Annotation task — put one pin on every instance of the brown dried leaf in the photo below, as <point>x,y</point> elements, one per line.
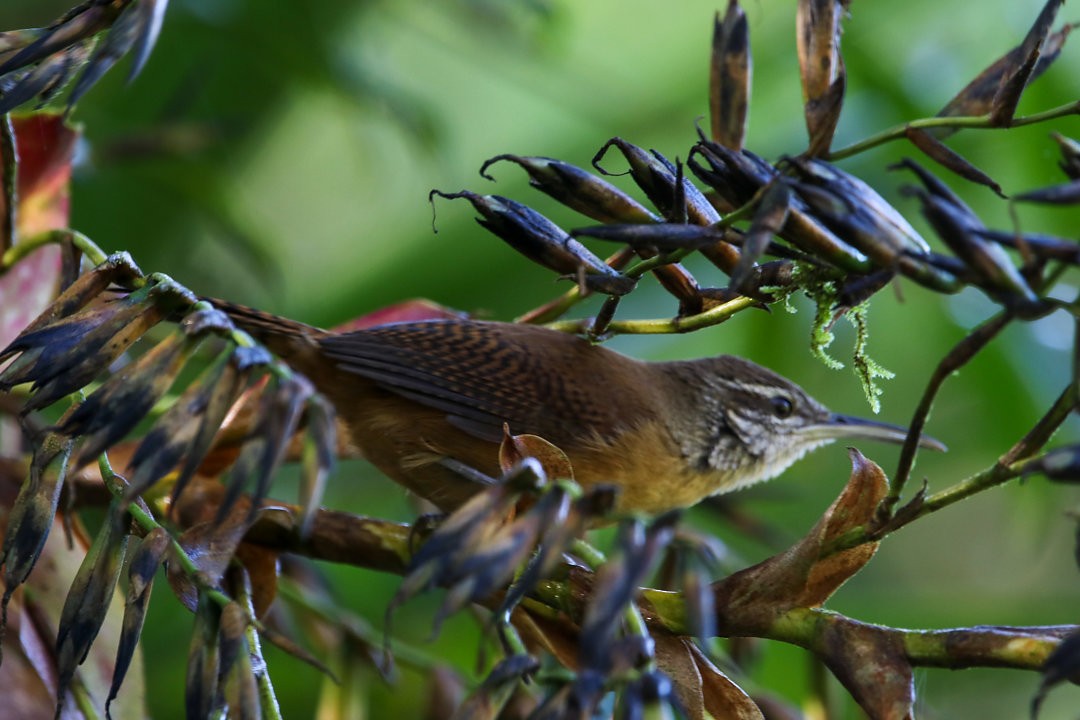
<point>730,71</point>
<point>699,685</point>
<point>801,576</point>
<point>855,507</point>
<point>516,448</point>
<point>872,665</point>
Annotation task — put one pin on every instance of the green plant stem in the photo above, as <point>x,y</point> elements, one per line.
<point>976,122</point>
<point>592,557</point>
<point>712,316</point>
<point>957,357</point>
<point>83,699</point>
<point>23,248</point>
<point>145,520</point>
<point>1012,464</point>
<point>268,702</point>
<point>1024,648</point>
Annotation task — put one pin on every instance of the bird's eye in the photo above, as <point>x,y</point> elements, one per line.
<point>782,406</point>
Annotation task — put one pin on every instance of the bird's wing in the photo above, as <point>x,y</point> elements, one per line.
<point>485,374</point>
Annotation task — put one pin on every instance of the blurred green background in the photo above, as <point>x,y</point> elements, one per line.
<point>280,154</point>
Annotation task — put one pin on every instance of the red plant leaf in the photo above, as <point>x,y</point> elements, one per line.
<point>45,146</point>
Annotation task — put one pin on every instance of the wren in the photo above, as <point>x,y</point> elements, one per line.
<point>422,399</point>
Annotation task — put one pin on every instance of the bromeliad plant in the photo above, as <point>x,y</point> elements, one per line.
<point>582,634</point>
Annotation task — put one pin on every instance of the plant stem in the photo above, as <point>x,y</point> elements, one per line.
<point>959,356</point>
<point>712,316</point>
<point>17,252</point>
<point>977,122</point>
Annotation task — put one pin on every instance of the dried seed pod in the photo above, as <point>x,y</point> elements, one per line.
<point>738,177</point>
<point>946,157</point>
<point>87,602</point>
<point>1059,465</point>
<point>115,408</point>
<point>65,356</point>
<point>855,212</point>
<point>318,458</point>
<point>730,72</point>
<point>202,694</point>
<point>769,220</point>
<point>595,197</point>
<point>579,190</point>
<point>1043,246</point>
<point>146,559</point>
<point>542,241</point>
<point>118,269</point>
<point>656,176</point>
<point>137,27</point>
<point>63,48</point>
<point>981,95</point>
<point>186,430</point>
<point>1070,155</point>
<point>821,68</point>
<point>664,237</point>
<point>46,79</point>
<point>32,515</point>
<point>1064,194</point>
<point>677,199</point>
<point>990,263</point>
<point>617,584</point>
<point>1012,87</point>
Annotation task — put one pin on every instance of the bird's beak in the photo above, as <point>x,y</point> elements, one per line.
<point>847,426</point>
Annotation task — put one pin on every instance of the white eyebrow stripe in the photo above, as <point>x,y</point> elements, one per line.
<point>756,388</point>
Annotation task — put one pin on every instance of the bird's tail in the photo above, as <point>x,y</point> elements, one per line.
<point>284,337</point>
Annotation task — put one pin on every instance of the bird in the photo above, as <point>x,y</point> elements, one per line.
<point>425,400</point>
